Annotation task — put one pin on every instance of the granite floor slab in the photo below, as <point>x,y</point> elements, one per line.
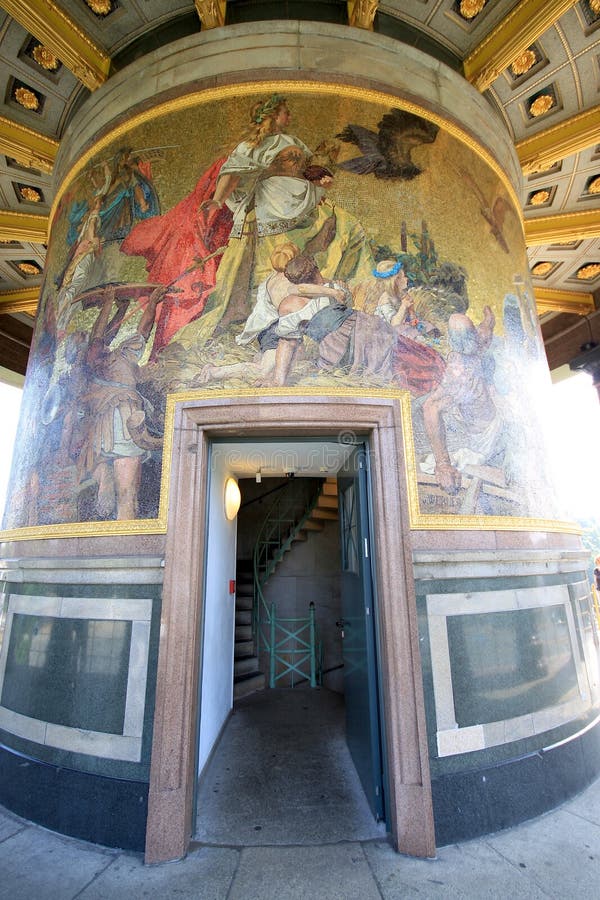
<point>556,856</point>
<point>35,863</point>
<point>206,873</point>
<point>282,774</point>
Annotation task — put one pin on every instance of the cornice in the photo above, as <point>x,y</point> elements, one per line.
<point>63,37</point>
<point>28,147</point>
<point>549,300</point>
<point>20,300</point>
<point>572,226</point>
<point>514,34</point>
<point>16,226</point>
<point>541,150</point>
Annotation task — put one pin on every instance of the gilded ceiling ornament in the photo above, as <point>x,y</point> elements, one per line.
<point>586,273</point>
<point>100,7</point>
<point>594,185</point>
<point>29,268</point>
<point>45,58</point>
<point>471,8</point>
<point>523,62</point>
<point>361,13</point>
<point>541,105</point>
<point>26,98</point>
<point>30,193</point>
<point>542,268</point>
<point>595,6</point>
<point>211,13</point>
<point>539,197</point>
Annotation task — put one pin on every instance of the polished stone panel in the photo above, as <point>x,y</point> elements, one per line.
<point>70,672</point>
<point>107,811</point>
<point>505,661</point>
<point>508,664</point>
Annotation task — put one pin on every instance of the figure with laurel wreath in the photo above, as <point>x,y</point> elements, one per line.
<point>216,244</point>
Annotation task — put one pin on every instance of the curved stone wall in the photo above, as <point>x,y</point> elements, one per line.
<point>252,213</point>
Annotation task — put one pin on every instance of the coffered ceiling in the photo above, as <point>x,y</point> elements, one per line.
<point>537,62</point>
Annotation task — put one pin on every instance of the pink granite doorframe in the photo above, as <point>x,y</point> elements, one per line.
<point>174,763</point>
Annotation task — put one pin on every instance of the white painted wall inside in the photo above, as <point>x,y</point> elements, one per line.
<point>219,615</point>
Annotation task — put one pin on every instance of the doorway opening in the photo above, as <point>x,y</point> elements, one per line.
<point>189,595</point>
<point>298,757</point>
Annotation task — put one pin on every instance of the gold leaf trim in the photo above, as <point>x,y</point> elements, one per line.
<point>418,521</point>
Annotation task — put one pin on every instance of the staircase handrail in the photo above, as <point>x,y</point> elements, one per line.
<point>275,536</point>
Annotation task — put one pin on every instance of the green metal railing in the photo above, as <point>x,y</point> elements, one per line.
<point>291,643</point>
<point>292,648</point>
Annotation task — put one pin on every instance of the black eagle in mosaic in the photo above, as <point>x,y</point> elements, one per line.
<point>387,152</point>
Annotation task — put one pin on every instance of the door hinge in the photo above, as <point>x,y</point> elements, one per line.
<point>368,610</point>
<point>377,791</point>
<point>366,548</point>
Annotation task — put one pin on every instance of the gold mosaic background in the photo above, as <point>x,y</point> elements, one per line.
<point>400,190</point>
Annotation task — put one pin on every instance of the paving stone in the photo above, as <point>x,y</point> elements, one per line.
<point>560,851</point>
<point>334,872</point>
<point>587,804</point>
<point>36,863</point>
<point>9,825</point>
<point>469,871</point>
<point>205,874</point>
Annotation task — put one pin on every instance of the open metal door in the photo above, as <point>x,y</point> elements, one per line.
<point>358,630</point>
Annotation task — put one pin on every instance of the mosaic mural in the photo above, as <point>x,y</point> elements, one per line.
<point>315,240</point>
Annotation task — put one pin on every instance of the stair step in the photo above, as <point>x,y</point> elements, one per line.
<point>243,632</point>
<point>323,513</point>
<point>329,490</point>
<point>243,648</point>
<point>254,681</point>
<point>243,617</point>
<point>243,602</point>
<point>300,535</point>
<point>245,664</point>
<point>313,525</point>
<point>327,502</point>
<point>244,587</point>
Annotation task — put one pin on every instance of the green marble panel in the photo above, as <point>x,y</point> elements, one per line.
<point>510,663</point>
<point>70,672</point>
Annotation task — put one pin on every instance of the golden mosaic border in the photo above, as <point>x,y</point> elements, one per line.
<point>417,520</point>
<point>208,95</point>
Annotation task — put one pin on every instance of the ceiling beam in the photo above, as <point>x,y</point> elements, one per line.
<point>511,37</point>
<point>542,150</point>
<point>563,227</point>
<point>361,13</point>
<point>211,13</point>
<point>21,300</point>
<point>548,300</point>
<point>16,226</point>
<point>15,341</point>
<point>28,147</point>
<point>59,33</point>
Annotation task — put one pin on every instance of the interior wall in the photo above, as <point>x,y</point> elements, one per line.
<point>257,499</point>
<point>219,615</point>
<point>310,571</point>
